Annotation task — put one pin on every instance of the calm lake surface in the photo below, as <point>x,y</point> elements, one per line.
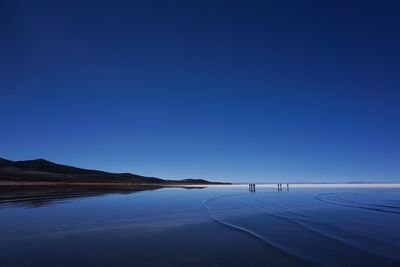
<point>213,226</point>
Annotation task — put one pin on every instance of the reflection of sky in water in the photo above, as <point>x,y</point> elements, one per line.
<point>143,211</point>
<point>347,225</point>
<point>309,226</point>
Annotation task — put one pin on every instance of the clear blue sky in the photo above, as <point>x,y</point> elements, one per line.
<point>228,90</point>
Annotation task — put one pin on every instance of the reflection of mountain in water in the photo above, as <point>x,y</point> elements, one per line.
<point>34,196</point>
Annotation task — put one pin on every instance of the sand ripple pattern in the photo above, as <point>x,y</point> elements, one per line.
<point>345,199</point>
<point>310,237</point>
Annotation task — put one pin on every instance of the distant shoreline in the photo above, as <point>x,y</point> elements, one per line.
<point>13,183</point>
<point>326,185</point>
<point>260,185</point>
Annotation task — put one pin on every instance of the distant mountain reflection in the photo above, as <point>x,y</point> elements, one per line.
<point>34,196</point>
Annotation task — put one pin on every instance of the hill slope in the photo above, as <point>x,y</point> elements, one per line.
<point>41,170</point>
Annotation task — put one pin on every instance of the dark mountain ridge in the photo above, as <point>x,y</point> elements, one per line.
<point>41,170</point>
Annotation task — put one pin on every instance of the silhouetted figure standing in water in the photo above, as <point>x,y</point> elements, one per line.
<point>252,187</point>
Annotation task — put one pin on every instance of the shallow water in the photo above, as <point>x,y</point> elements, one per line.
<point>213,226</point>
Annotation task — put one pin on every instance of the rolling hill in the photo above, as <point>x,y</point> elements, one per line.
<point>41,170</point>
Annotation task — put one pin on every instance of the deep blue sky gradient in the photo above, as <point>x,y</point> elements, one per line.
<point>258,91</point>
